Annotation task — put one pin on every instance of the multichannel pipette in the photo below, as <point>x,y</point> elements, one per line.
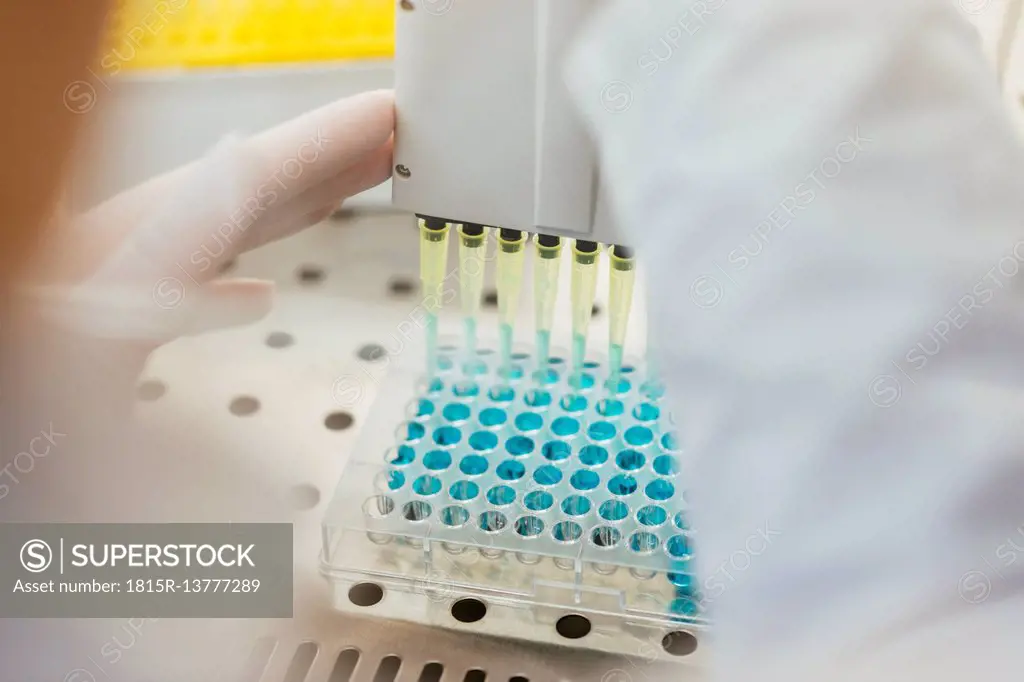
<point>583,287</point>
<point>509,282</point>
<point>433,261</point>
<point>472,248</point>
<point>545,291</point>
<point>621,277</point>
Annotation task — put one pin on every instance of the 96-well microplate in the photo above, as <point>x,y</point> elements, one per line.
<point>524,503</point>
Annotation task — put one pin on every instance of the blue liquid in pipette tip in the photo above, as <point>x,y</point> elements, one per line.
<point>431,343</point>
<point>505,339</point>
<point>470,327</point>
<point>543,347</point>
<point>579,350</point>
<point>614,361</point>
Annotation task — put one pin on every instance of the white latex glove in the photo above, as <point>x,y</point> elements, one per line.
<point>828,199</point>
<point>140,266</point>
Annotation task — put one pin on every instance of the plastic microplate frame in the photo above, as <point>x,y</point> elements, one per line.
<point>539,494</point>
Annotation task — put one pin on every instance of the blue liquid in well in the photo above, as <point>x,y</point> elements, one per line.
<point>435,386</point>
<point>444,363</point>
<point>652,390</point>
<point>517,446</point>
<point>618,386</point>
<point>396,479</point>
<point>538,500</point>
<point>529,526</point>
<point>643,542</point>
<point>670,442</point>
<point>601,431</point>
<point>424,408</point>
<point>610,407</point>
<point>547,475</point>
<point>683,582</point>
<point>652,515</point>
<point>564,427</point>
<point>666,465</point>
<point>679,521</point>
<point>474,368</point>
<point>556,361</point>
<point>590,364</point>
<point>529,421</point>
<point>585,479</point>
<point>456,412</point>
<point>501,394</point>
<point>427,485</point>
<point>556,451</point>
<point>646,412</point>
<point>546,377</point>
<point>678,546</point>
<point>437,460</point>
<point>573,403</point>
<point>629,460</point>
<point>500,495</point>
<point>684,606</point>
<point>511,470</point>
<point>576,505</point>
<point>593,455</point>
<point>446,436</point>
<point>567,531</point>
<point>483,441</point>
<point>638,436</point>
<point>466,389</point>
<point>464,491</point>
<point>473,465</point>
<point>403,455</point>
<point>519,357</point>
<point>543,346</point>
<point>511,372</point>
<point>414,432</point>
<point>613,510</point>
<point>537,398</point>
<point>454,516</point>
<point>492,416</point>
<point>660,490</point>
<point>622,485</point>
<point>582,381</point>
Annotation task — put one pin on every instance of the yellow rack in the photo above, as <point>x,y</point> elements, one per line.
<point>161,34</point>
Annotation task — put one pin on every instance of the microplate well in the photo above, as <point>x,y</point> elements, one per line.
<point>525,503</point>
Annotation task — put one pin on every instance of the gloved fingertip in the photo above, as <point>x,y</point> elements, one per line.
<point>231,303</point>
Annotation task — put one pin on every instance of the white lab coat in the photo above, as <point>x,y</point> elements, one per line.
<point>829,199</point>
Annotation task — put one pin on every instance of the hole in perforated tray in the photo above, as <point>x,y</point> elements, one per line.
<point>387,670</point>
<point>402,286</point>
<point>151,390</point>
<point>469,610</point>
<point>431,672</point>
<point>302,662</point>
<point>244,405</point>
<point>365,594</point>
<point>475,675</point>
<point>311,274</point>
<point>679,643</point>
<point>338,421</point>
<point>344,666</point>
<point>573,626</point>
<point>279,339</point>
<point>304,497</point>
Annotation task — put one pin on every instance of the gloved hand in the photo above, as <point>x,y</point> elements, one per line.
<point>141,266</point>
